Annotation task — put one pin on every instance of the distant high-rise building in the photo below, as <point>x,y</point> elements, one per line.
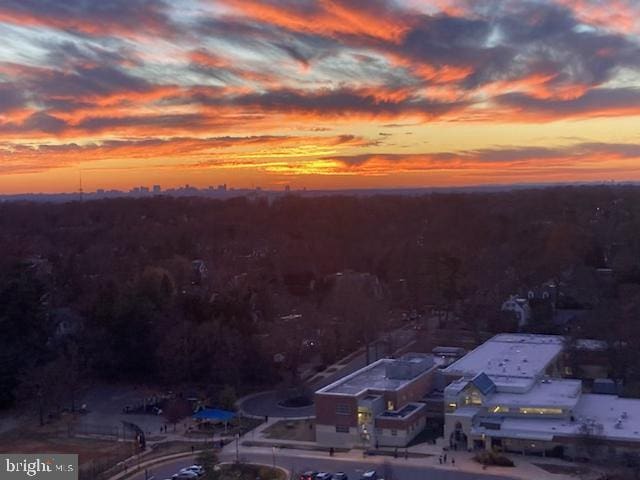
<point>157,189</point>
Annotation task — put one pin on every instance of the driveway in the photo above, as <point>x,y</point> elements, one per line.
<point>266,404</point>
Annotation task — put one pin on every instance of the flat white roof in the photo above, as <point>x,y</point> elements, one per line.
<point>600,411</point>
<point>553,393</point>
<point>374,377</point>
<point>510,359</point>
<point>605,410</point>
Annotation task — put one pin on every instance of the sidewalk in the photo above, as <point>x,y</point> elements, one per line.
<point>524,469</point>
<point>423,454</point>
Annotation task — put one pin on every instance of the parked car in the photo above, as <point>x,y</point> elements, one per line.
<point>197,469</point>
<point>323,476</point>
<point>340,476</point>
<point>369,475</point>
<point>185,475</point>
<point>308,475</point>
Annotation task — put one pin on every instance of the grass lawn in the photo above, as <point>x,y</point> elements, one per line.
<point>94,456</point>
<point>300,430</point>
<point>169,448</point>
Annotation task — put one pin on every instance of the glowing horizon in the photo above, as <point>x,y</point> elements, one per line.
<point>322,94</point>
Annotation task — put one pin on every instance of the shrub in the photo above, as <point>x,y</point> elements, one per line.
<point>491,458</point>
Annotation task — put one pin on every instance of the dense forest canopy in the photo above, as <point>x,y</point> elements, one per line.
<point>184,289</point>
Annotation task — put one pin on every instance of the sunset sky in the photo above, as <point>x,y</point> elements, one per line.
<point>317,93</point>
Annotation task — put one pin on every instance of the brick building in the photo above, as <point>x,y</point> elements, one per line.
<point>377,405</point>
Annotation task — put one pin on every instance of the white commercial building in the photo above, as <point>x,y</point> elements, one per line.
<point>507,394</point>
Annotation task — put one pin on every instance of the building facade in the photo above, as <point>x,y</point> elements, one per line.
<point>507,394</point>
<point>377,405</point>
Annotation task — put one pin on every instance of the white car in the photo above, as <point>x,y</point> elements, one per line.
<point>197,469</point>
<point>185,475</point>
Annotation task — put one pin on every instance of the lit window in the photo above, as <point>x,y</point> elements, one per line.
<point>390,405</point>
<point>475,398</point>
<point>500,409</point>
<point>540,411</point>
<point>364,415</point>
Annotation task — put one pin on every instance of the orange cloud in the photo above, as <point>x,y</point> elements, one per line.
<point>18,157</point>
<point>128,18</point>
<point>617,15</point>
<point>374,19</point>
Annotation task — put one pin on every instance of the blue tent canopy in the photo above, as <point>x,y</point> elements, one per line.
<point>214,414</point>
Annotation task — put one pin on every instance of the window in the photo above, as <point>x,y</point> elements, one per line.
<point>474,398</point>
<point>342,429</point>
<point>540,411</point>
<point>343,409</point>
<point>451,407</point>
<point>390,405</point>
<point>364,415</point>
<point>500,409</point>
<point>394,432</point>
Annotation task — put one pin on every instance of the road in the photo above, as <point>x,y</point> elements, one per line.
<point>353,467</point>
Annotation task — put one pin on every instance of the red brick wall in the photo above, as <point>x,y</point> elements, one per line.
<point>326,406</point>
<point>401,424</point>
<point>415,390</point>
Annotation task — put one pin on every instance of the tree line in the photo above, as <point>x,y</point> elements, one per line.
<point>108,289</point>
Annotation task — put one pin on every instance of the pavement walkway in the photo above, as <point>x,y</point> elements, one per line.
<point>426,454</point>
